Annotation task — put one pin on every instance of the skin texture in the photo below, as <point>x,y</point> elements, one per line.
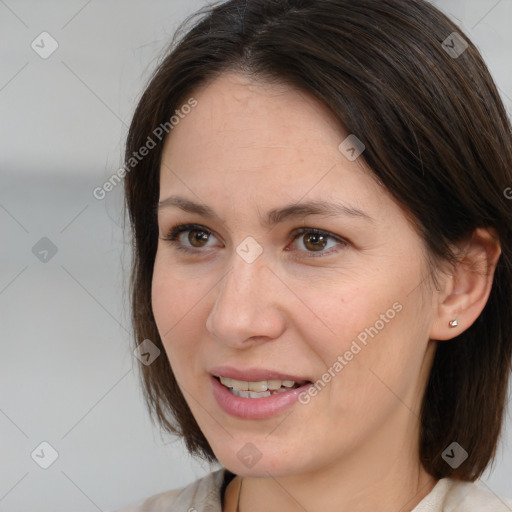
<point>249,147</point>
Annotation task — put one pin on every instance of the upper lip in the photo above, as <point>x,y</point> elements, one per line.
<point>253,374</point>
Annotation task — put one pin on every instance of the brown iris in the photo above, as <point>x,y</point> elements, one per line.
<point>314,238</point>
<point>199,236</point>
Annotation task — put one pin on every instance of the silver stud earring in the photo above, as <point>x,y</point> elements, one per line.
<point>453,323</point>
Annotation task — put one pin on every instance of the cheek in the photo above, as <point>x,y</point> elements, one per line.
<point>342,309</point>
<point>174,294</point>
<point>163,298</point>
<point>377,338</point>
<point>175,303</point>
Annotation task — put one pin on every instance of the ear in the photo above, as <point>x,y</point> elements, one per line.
<point>467,290</point>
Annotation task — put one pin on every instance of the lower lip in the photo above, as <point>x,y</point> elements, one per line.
<point>254,408</point>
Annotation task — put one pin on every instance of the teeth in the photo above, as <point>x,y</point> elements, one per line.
<point>235,384</point>
<point>273,384</point>
<point>257,387</point>
<point>249,394</point>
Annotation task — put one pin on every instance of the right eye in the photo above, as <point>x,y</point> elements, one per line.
<point>197,236</point>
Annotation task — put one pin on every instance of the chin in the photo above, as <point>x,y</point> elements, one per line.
<point>257,457</point>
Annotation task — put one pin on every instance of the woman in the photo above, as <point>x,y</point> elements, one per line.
<point>322,252</point>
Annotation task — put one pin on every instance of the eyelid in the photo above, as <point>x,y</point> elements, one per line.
<point>295,235</point>
<point>175,231</point>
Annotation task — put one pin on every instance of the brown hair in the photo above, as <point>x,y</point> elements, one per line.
<point>437,136</point>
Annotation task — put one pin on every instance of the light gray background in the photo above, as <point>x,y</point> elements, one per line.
<point>67,375</point>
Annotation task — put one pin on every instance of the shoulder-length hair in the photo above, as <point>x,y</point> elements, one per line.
<point>415,90</point>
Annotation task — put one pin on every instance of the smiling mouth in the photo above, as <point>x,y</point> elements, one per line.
<point>259,389</point>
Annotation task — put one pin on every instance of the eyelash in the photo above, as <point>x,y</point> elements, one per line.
<point>176,230</point>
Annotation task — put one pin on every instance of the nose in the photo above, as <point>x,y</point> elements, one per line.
<point>248,305</point>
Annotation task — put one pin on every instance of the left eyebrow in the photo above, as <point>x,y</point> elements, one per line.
<point>276,215</point>
<point>313,208</point>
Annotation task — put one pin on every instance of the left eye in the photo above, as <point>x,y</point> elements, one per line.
<point>313,240</point>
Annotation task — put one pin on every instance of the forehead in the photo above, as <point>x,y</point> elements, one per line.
<point>235,115</point>
<point>263,140</point>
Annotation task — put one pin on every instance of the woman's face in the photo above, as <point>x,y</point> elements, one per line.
<point>255,291</point>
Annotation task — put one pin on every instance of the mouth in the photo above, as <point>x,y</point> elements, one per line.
<point>255,393</point>
<point>259,389</point>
